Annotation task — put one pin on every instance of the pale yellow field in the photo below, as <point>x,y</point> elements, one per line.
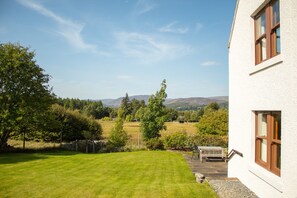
<point>133,129</point>
<point>32,144</point>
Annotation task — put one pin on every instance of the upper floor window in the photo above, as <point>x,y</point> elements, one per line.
<point>267,32</point>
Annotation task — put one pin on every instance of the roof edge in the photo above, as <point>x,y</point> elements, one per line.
<point>233,23</point>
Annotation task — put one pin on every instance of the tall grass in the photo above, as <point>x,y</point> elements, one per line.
<point>133,130</point>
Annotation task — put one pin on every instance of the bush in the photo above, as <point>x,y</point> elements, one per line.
<point>118,137</point>
<point>209,140</point>
<point>177,141</point>
<point>106,119</point>
<point>214,123</point>
<point>154,144</point>
<point>72,124</point>
<point>129,118</point>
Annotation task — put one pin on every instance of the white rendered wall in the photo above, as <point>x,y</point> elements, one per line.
<point>271,85</point>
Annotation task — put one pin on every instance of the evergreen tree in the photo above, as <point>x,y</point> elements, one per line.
<point>126,106</point>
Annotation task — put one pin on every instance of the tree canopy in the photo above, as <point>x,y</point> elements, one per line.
<point>214,123</point>
<point>25,94</point>
<point>154,115</point>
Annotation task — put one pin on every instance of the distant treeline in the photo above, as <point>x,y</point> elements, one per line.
<point>133,109</point>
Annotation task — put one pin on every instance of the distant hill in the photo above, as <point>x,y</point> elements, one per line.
<point>176,103</point>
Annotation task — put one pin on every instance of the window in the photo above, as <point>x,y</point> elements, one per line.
<point>267,32</point>
<point>268,140</point>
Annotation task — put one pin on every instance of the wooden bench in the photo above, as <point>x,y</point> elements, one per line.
<point>207,152</point>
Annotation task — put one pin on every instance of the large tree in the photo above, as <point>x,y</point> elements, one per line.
<point>154,115</point>
<point>25,94</point>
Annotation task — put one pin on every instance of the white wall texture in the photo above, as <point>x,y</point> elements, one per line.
<point>271,85</point>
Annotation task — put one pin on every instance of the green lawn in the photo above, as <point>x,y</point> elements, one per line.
<point>130,174</point>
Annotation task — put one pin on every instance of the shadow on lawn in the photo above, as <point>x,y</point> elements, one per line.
<point>20,155</point>
<point>12,158</point>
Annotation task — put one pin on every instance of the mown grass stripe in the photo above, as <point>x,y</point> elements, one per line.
<point>134,174</point>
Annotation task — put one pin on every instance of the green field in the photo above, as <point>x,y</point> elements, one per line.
<point>133,129</point>
<point>130,174</point>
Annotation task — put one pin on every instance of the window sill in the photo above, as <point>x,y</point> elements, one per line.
<point>266,64</point>
<point>268,177</point>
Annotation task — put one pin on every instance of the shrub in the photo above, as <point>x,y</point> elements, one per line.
<point>177,140</point>
<point>209,140</point>
<point>154,144</point>
<point>72,124</point>
<point>106,119</point>
<point>214,123</point>
<point>118,137</point>
<point>129,118</point>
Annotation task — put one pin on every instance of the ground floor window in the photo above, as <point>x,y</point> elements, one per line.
<point>268,140</point>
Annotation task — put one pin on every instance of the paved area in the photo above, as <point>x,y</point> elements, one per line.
<point>215,173</point>
<point>210,169</point>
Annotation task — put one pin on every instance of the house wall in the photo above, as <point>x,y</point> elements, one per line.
<point>271,85</point>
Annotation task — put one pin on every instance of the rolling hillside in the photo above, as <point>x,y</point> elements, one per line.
<point>176,103</point>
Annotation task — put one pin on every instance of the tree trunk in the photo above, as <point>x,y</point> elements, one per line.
<point>87,148</point>
<point>3,140</point>
<point>76,145</point>
<point>93,146</point>
<point>24,139</point>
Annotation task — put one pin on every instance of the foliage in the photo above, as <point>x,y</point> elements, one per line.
<point>129,118</point>
<point>91,108</point>
<point>106,119</point>
<point>25,95</point>
<point>118,137</point>
<point>95,110</point>
<point>154,144</point>
<point>171,114</point>
<point>209,140</point>
<point>136,105</point>
<point>126,106</point>
<point>214,123</point>
<point>177,140</point>
<point>154,116</point>
<point>73,125</point>
<point>211,107</point>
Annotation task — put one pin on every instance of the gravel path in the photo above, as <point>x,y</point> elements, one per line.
<point>231,189</point>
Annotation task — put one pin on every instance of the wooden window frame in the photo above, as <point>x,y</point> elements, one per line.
<point>272,143</point>
<point>270,34</point>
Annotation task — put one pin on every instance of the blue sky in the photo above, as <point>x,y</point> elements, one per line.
<point>99,49</point>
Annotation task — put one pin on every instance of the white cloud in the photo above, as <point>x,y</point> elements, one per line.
<point>209,63</point>
<point>68,29</point>
<point>171,27</point>
<point>147,49</point>
<point>143,6</point>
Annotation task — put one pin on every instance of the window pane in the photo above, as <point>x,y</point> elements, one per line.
<point>263,150</point>
<point>278,44</point>
<point>278,156</point>
<point>261,25</point>
<point>263,49</point>
<point>277,126</point>
<point>275,13</point>
<point>262,124</point>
